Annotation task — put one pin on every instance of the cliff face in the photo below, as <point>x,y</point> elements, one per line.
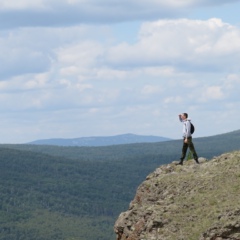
<point>186,202</point>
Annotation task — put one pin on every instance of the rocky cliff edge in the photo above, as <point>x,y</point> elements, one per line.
<point>189,202</point>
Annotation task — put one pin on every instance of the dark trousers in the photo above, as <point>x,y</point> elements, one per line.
<point>189,145</point>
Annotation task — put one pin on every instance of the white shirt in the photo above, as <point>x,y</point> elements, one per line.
<point>186,127</point>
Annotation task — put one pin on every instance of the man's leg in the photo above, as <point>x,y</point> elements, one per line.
<point>184,151</point>
<point>192,149</point>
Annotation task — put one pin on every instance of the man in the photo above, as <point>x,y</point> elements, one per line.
<point>187,138</point>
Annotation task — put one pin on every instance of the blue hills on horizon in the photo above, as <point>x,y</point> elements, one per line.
<point>101,140</point>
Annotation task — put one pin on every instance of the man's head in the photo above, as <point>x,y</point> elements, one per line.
<point>184,116</point>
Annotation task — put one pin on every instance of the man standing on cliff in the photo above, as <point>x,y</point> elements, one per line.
<point>187,138</point>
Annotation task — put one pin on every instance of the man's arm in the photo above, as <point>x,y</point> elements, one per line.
<point>188,129</point>
<point>179,116</point>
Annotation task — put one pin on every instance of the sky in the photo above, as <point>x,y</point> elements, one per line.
<point>82,68</point>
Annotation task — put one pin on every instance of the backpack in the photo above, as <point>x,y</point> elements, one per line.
<point>192,128</point>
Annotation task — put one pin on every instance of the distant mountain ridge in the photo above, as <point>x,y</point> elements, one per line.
<point>101,141</point>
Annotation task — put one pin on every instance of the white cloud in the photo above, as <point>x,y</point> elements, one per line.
<point>191,44</point>
<point>9,4</point>
<point>84,75</point>
<point>34,50</point>
<point>213,92</point>
<point>84,53</point>
<point>162,56</point>
<point>73,12</point>
<point>232,81</point>
<point>192,83</point>
<point>21,4</point>
<point>174,100</point>
<point>151,89</point>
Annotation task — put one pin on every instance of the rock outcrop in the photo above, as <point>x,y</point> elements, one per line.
<point>189,202</point>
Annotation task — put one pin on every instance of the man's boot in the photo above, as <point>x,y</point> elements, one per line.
<point>181,162</point>
<point>196,160</point>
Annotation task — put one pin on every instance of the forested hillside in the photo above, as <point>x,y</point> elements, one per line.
<point>50,192</point>
<point>71,199</point>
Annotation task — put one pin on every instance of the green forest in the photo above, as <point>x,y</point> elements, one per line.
<point>77,193</point>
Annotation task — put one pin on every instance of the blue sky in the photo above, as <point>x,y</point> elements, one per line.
<point>77,68</point>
